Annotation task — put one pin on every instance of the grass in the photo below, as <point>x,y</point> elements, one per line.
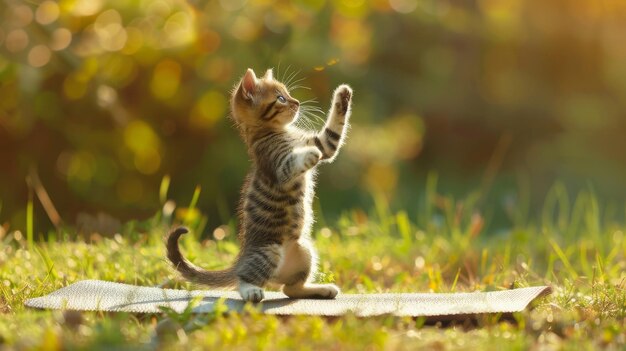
<point>574,246</point>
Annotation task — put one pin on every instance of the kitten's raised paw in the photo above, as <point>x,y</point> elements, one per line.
<point>343,96</point>
<point>311,158</point>
<point>251,293</point>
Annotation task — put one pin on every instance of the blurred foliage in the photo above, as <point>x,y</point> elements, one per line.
<point>103,98</point>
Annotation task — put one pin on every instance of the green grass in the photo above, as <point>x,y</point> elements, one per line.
<point>574,246</point>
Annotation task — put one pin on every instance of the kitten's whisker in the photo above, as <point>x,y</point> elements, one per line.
<point>297,80</point>
<point>292,83</point>
<point>311,120</point>
<point>317,118</point>
<point>313,109</point>
<point>308,101</point>
<point>309,115</point>
<point>278,70</point>
<point>291,77</point>
<point>314,116</point>
<point>298,87</point>
<point>282,79</point>
<point>286,78</point>
<point>310,104</point>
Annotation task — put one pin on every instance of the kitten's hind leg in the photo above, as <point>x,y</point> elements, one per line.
<point>255,268</point>
<point>299,267</point>
<point>303,290</point>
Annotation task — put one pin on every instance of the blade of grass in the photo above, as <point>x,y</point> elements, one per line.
<point>195,197</point>
<point>556,209</point>
<point>584,263</point>
<point>600,266</point>
<point>46,259</point>
<point>35,184</point>
<point>381,203</point>
<point>429,200</point>
<point>456,279</point>
<point>566,263</point>
<point>165,185</point>
<point>29,219</point>
<point>483,260</point>
<point>404,227</point>
<point>494,164</point>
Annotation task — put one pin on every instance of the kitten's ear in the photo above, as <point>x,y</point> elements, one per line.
<point>248,84</point>
<point>269,75</point>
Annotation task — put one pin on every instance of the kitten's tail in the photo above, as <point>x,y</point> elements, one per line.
<point>222,278</point>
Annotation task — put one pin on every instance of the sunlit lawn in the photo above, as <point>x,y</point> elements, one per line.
<point>441,247</point>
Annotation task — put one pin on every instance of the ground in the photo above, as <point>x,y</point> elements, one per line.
<point>580,253</point>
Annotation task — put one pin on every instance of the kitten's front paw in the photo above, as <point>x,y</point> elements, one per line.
<point>311,158</point>
<point>342,99</point>
<point>251,293</point>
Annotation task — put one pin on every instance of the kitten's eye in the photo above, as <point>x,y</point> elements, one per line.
<point>281,99</point>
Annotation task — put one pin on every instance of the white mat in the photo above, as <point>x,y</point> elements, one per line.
<point>96,295</point>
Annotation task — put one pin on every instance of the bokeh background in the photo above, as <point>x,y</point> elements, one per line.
<point>101,100</point>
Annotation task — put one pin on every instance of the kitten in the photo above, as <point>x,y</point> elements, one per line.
<point>275,207</point>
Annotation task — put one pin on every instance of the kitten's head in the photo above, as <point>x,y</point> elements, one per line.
<point>262,102</point>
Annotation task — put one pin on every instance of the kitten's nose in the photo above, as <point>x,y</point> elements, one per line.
<point>296,102</point>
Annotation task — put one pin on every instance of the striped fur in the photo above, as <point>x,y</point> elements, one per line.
<point>276,203</point>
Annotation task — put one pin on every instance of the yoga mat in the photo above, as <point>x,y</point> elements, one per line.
<point>96,295</point>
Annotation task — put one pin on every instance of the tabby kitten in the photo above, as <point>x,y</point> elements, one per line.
<point>275,207</point>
